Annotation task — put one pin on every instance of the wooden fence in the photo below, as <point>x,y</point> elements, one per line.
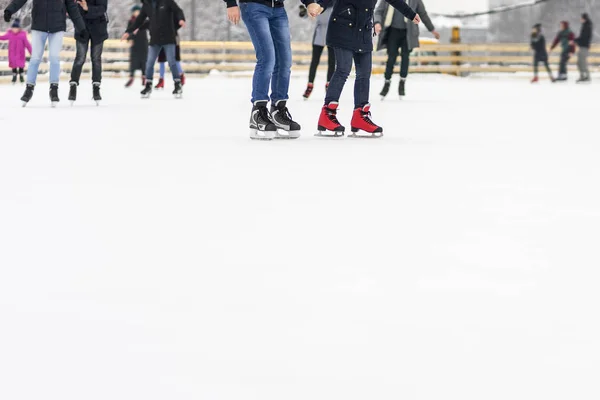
<point>202,57</point>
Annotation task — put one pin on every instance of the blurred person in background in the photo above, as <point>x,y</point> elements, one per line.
<point>48,24</point>
<point>96,23</point>
<point>317,50</point>
<point>162,59</point>
<point>17,44</point>
<point>396,33</point>
<point>566,39</point>
<point>540,54</point>
<point>583,42</point>
<point>138,53</point>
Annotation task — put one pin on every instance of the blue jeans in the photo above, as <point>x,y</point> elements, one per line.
<point>269,31</point>
<point>161,69</point>
<point>38,43</point>
<point>343,66</point>
<point>153,51</point>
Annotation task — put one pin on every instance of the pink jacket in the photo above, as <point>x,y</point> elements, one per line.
<point>17,43</point>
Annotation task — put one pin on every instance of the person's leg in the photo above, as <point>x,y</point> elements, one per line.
<point>343,66</point>
<point>153,51</point>
<point>580,64</point>
<point>256,18</point>
<point>80,54</point>
<point>331,63</point>
<point>586,70</point>
<point>161,69</point>
<point>363,63</point>
<point>564,59</point>
<point>282,71</point>
<point>547,65</point>
<point>314,62</point>
<point>170,53</point>
<point>535,67</point>
<point>405,55</point>
<point>393,44</point>
<point>179,67</point>
<point>38,42</point>
<point>55,42</point>
<point>97,61</point>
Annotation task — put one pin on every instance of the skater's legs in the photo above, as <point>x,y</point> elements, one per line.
<point>153,51</point>
<point>548,69</point>
<point>314,62</point>
<point>564,59</point>
<point>343,65</point>
<point>535,67</point>
<point>582,62</point>
<point>256,17</point>
<point>170,53</point>
<point>96,55</point>
<point>364,64</point>
<point>55,42</point>
<point>280,31</point>
<point>81,53</point>
<point>38,42</point>
<point>330,62</point>
<point>394,43</point>
<point>161,70</point>
<point>179,67</point>
<point>405,55</point>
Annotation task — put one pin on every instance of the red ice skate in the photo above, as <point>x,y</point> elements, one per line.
<point>328,121</point>
<point>361,121</point>
<point>160,84</point>
<point>535,79</point>
<point>143,81</point>
<point>129,82</point>
<point>182,79</point>
<point>308,91</point>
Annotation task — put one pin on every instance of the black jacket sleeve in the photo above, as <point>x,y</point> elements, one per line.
<point>231,3</point>
<point>585,36</point>
<point>15,5</point>
<point>404,8</point>
<point>139,21</point>
<point>96,11</point>
<point>422,11</point>
<point>75,15</point>
<point>177,12</point>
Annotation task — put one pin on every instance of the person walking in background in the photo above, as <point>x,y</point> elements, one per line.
<point>96,22</point>
<point>583,42</point>
<point>396,33</point>
<point>269,29</point>
<point>162,58</point>
<point>540,54</point>
<point>164,16</point>
<point>48,24</point>
<point>17,44</point>
<point>317,50</point>
<point>565,38</point>
<point>138,52</point>
<point>350,33</point>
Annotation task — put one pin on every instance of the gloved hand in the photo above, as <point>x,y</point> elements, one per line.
<point>82,36</point>
<point>7,15</point>
<point>303,12</point>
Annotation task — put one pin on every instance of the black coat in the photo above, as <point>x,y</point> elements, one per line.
<point>351,23</point>
<point>50,15</point>
<point>162,15</point>
<point>538,44</point>
<point>139,48</point>
<point>585,36</point>
<point>96,20</point>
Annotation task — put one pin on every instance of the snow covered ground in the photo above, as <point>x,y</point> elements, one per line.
<point>150,250</point>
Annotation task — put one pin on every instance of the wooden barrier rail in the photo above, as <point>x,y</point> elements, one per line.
<point>202,57</point>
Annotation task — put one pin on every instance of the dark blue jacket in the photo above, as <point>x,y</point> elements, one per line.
<point>96,20</point>
<point>351,23</point>
<point>50,15</point>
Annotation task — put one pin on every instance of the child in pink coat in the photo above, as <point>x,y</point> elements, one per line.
<point>17,43</point>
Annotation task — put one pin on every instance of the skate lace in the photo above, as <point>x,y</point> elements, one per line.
<point>285,115</point>
<point>332,114</point>
<point>367,118</point>
<point>264,115</point>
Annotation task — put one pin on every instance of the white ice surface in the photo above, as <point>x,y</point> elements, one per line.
<point>149,250</point>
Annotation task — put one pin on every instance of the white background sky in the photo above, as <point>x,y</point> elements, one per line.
<point>450,6</point>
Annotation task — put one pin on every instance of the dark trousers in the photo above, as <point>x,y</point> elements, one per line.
<point>564,60</point>
<point>316,59</point>
<point>153,51</point>
<point>17,71</point>
<point>96,56</point>
<point>397,40</point>
<point>137,61</point>
<point>535,66</point>
<point>343,66</point>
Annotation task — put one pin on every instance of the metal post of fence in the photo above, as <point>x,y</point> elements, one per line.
<point>193,20</point>
<point>455,39</point>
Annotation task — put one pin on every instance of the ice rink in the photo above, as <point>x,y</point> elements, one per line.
<point>149,250</point>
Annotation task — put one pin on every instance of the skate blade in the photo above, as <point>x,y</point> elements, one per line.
<point>355,135</point>
<point>333,134</point>
<point>97,103</point>
<point>178,96</point>
<point>72,102</point>
<point>23,104</point>
<point>254,136</point>
<point>53,104</point>
<point>287,136</point>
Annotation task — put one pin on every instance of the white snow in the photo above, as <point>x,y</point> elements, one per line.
<point>149,250</point>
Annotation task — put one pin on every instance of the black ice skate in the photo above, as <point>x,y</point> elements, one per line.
<point>54,94</point>
<point>21,78</point>
<point>14,78</point>
<point>28,94</point>
<point>385,90</point>
<point>402,88</point>
<point>178,91</point>
<point>96,93</point>
<point>72,92</point>
<point>281,117</point>
<point>147,90</point>
<point>261,126</point>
